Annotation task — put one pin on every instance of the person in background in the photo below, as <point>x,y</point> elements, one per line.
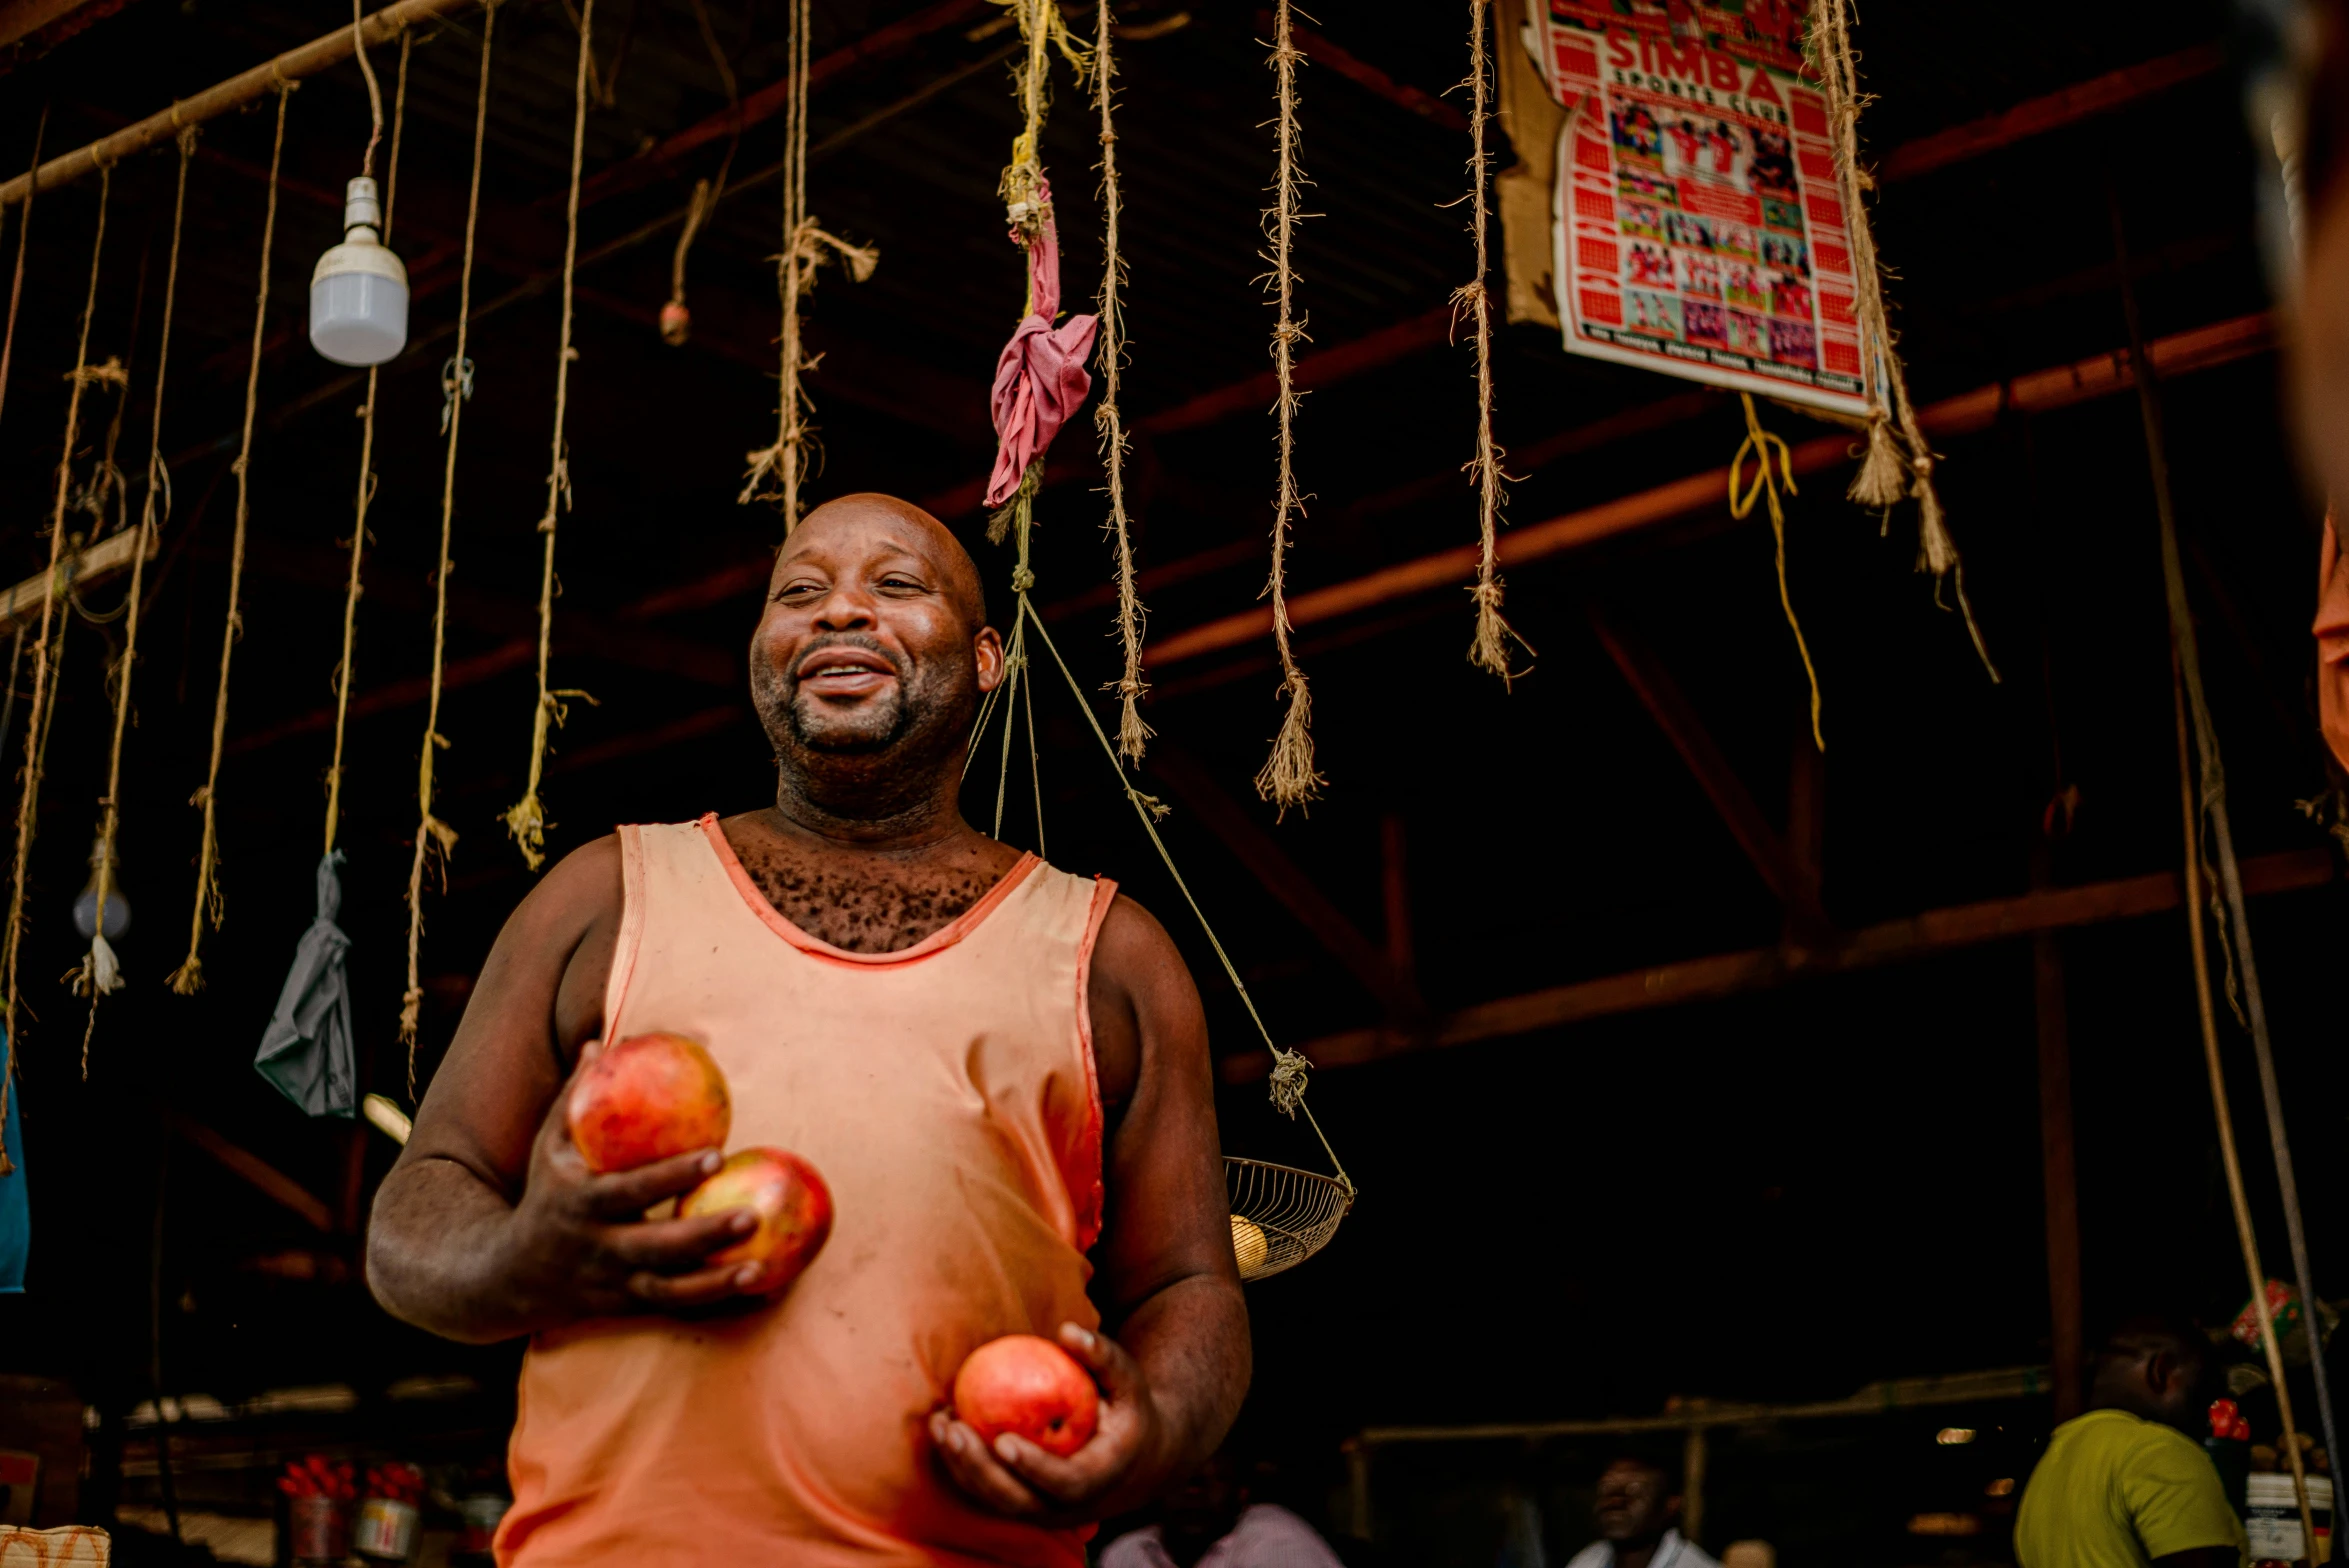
<point>2124,1485</point>
<point>1210,1522</point>
<point>1638,1514</point>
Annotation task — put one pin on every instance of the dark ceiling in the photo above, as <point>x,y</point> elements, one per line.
<point>1789,1193</point>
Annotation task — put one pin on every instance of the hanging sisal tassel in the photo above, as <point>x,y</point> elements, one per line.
<point>1132,733</point>
<point>100,973</point>
<point>1883,479</point>
<point>435,838</point>
<point>1288,777</point>
<point>1489,651</point>
<point>526,818</point>
<point>46,658</point>
<point>776,472</point>
<point>1898,460</point>
<point>188,978</point>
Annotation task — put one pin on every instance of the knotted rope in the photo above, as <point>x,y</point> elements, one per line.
<point>1132,733</point>
<point>1490,650</point>
<point>101,973</point>
<point>45,660</point>
<point>526,818</point>
<point>188,978</point>
<point>1897,462</point>
<point>776,471</point>
<point>367,478</point>
<point>1763,446</point>
<point>1288,777</point>
<point>433,836</point>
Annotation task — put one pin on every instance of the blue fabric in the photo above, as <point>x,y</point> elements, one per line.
<point>16,1215</point>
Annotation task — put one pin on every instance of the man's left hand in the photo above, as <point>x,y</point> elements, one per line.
<point>1115,1470</point>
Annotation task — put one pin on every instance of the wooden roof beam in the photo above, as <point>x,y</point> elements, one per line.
<point>2218,344</point>
<point>1660,694</point>
<point>320,54</point>
<point>1927,935</point>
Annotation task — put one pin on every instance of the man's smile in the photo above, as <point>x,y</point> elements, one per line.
<point>844,672</point>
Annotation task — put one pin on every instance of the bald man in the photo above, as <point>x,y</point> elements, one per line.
<point>1000,1069</point>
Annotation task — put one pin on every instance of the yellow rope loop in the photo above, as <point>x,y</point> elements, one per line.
<point>433,836</point>
<point>1761,445</point>
<point>189,977</point>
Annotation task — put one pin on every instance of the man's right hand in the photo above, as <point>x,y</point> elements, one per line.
<point>578,1244</point>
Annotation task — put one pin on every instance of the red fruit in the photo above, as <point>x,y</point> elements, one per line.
<point>1031,1387</point>
<point>793,1206</point>
<point>648,1098</point>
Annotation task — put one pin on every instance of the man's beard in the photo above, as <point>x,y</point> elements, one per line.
<point>798,721</point>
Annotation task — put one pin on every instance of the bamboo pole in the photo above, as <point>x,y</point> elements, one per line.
<point>320,54</point>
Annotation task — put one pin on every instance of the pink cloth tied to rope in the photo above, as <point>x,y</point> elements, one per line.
<point>1040,380</point>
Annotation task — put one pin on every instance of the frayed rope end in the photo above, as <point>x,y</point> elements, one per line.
<point>1288,778</point>
<point>188,978</point>
<point>1883,477</point>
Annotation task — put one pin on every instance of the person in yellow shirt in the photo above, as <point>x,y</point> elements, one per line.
<point>2123,1486</point>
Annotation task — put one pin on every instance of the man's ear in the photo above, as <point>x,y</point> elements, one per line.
<point>987,653</point>
<point>1673,1507</point>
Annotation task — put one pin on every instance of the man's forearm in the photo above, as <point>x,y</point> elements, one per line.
<point>1191,1340</point>
<point>436,1254</point>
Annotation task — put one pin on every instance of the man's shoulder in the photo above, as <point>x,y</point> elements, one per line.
<point>1135,1549</point>
<point>1596,1555</point>
<point>2121,1435</point>
<point>1269,1532</point>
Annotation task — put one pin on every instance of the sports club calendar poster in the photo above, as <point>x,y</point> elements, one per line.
<point>1698,224</point>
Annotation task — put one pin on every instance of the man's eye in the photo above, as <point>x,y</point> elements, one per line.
<point>901,582</point>
<point>797,590</point>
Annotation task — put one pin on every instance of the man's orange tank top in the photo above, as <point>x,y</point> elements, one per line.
<point>946,1093</point>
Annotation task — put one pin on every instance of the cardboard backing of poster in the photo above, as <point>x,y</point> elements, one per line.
<point>1698,222</point>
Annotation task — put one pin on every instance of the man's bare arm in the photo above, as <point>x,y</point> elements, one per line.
<point>1177,1368</point>
<point>490,1225</point>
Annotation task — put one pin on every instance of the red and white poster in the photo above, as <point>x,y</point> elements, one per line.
<point>1698,222</point>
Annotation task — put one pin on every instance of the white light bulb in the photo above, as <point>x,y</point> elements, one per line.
<point>359,292</point>
<point>85,905</point>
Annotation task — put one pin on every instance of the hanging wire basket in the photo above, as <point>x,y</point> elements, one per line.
<point>1281,1215</point>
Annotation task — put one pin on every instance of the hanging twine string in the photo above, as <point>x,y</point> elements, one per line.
<point>188,978</point>
<point>1898,462</point>
<point>776,472</point>
<point>100,973</point>
<point>24,232</point>
<point>526,818</point>
<point>1763,446</point>
<point>676,321</point>
<point>45,659</point>
<point>1288,777</point>
<point>367,478</point>
<point>1132,733</point>
<point>1490,650</point>
<point>435,838</point>
<point>374,91</point>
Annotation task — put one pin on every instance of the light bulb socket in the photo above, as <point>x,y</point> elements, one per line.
<point>360,206</point>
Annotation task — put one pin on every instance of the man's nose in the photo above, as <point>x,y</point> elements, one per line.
<point>845,608</point>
